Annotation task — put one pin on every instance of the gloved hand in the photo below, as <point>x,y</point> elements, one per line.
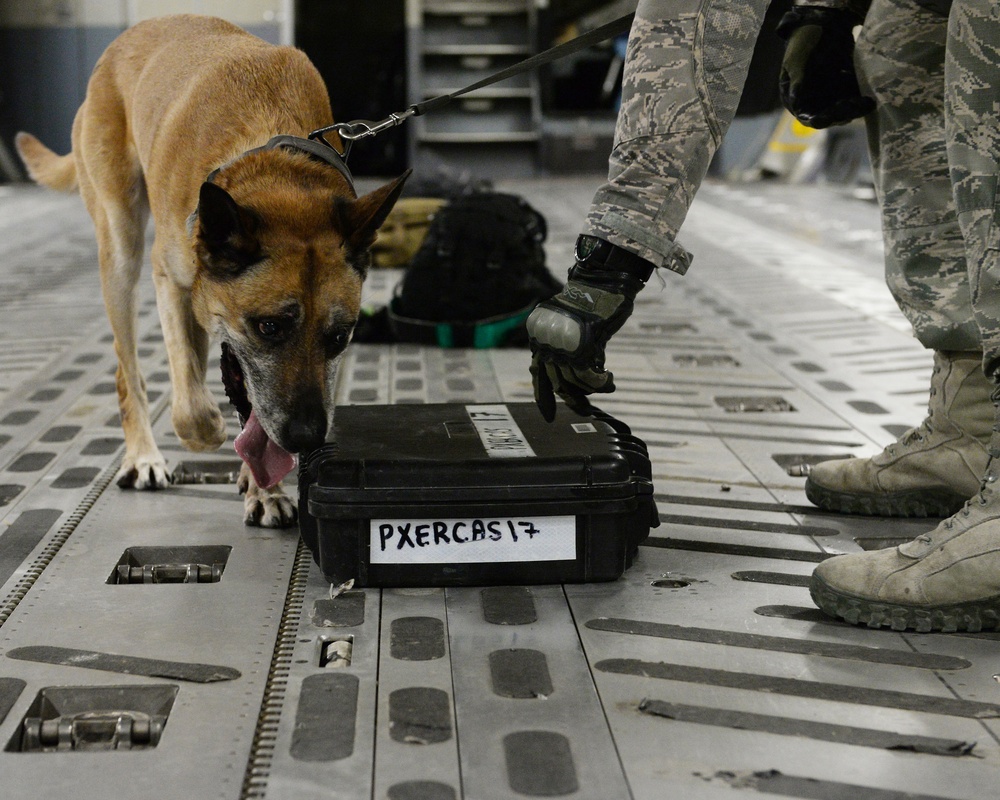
<point>818,83</point>
<point>568,332</point>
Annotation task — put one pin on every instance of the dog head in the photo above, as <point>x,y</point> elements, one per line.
<point>281,264</point>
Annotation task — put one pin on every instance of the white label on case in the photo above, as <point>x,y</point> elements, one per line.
<point>472,541</point>
<point>499,433</point>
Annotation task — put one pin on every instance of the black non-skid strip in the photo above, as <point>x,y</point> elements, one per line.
<point>867,407</point>
<point>420,715</point>
<point>104,446</point>
<point>747,525</point>
<point>126,665</point>
<point>540,764</point>
<point>416,638</point>
<point>508,605</point>
<point>68,375</point>
<point>60,433</point>
<point>75,477</point>
<point>31,462</point>
<point>22,537</point>
<point>722,548</point>
<point>344,611</point>
<point>775,783</point>
<point>19,417</point>
<point>773,578</point>
<point>421,790</point>
<point>799,614</point>
<point>325,717</point>
<point>714,434</point>
<point>780,644</point>
<point>795,687</point>
<point>742,505</point>
<point>735,421</point>
<point>45,395</point>
<point>520,673</point>
<point>821,731</point>
<point>103,388</point>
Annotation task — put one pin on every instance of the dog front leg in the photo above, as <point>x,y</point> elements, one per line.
<point>195,414</point>
<point>120,241</point>
<point>265,508</point>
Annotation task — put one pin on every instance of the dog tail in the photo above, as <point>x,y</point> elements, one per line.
<point>44,166</point>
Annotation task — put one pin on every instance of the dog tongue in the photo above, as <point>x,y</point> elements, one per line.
<point>268,462</point>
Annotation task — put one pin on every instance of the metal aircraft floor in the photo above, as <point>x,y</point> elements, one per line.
<point>704,673</point>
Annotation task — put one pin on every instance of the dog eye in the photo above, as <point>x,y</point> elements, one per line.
<point>336,341</point>
<point>273,328</point>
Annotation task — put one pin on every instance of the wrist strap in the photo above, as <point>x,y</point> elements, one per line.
<point>602,256</point>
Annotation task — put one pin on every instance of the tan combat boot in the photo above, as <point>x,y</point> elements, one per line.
<point>946,580</point>
<point>932,469</point>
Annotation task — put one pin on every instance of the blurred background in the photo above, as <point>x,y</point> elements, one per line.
<point>379,56</point>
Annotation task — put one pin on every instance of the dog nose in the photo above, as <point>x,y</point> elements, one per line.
<point>304,436</point>
<point>306,430</point>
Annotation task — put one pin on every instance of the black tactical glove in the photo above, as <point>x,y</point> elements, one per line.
<point>568,332</point>
<point>818,84</point>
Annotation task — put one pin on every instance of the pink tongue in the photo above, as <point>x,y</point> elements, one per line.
<point>268,462</point>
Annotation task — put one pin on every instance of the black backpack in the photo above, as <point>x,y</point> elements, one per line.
<point>477,275</point>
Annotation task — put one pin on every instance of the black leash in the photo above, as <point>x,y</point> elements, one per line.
<point>350,132</point>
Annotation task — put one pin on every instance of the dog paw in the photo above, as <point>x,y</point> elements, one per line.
<point>268,510</point>
<point>199,425</point>
<point>143,473</point>
<point>265,508</point>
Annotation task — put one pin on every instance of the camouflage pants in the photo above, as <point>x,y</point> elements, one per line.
<point>934,140</point>
<point>684,72</point>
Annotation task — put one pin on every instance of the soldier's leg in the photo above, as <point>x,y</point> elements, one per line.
<point>949,578</point>
<point>972,80</point>
<point>685,67</point>
<point>934,468</point>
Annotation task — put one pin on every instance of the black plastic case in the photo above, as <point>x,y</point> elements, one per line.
<point>479,494</point>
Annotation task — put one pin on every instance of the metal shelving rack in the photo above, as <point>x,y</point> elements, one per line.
<point>493,132</point>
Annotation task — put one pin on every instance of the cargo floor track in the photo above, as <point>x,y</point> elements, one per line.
<point>705,672</point>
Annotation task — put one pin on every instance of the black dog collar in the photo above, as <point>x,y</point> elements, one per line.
<point>320,151</point>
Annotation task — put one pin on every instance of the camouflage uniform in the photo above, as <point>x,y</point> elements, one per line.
<point>972,130</point>
<point>900,59</point>
<point>685,68</point>
<point>684,72</point>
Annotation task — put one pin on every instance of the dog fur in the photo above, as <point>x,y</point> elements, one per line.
<point>270,255</point>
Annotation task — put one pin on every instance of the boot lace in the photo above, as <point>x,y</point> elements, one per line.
<point>924,430</point>
<point>986,488</point>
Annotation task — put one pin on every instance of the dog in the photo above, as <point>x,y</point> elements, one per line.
<point>260,239</point>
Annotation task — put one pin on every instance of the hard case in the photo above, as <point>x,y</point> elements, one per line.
<point>458,495</point>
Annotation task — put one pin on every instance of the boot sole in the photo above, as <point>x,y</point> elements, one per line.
<point>981,615</point>
<point>917,503</point>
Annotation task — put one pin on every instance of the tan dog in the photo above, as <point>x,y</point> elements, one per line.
<point>269,251</point>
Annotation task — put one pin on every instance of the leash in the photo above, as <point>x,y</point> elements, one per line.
<point>350,132</point>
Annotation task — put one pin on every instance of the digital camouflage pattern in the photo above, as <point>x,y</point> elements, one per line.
<point>972,127</point>
<point>684,72</point>
<point>900,59</point>
<point>936,88</point>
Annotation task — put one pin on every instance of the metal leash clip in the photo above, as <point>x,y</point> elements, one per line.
<point>350,132</point>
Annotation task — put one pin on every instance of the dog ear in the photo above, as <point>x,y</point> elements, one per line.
<point>359,220</point>
<point>227,241</point>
